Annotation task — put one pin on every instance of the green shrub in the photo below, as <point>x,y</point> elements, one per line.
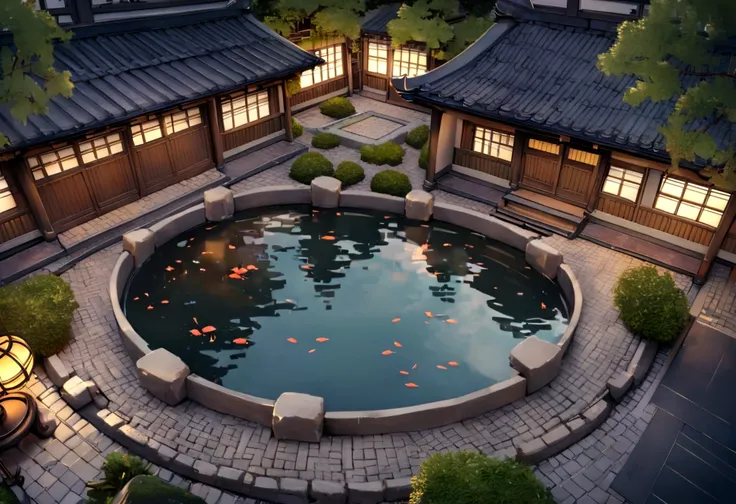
<point>6,495</point>
<point>391,182</point>
<point>650,304</point>
<point>39,310</point>
<point>389,153</point>
<point>152,490</point>
<point>119,469</point>
<point>337,108</point>
<point>325,141</point>
<point>296,128</point>
<point>424,156</point>
<point>349,173</point>
<point>418,136</point>
<point>309,166</point>
<point>473,478</point>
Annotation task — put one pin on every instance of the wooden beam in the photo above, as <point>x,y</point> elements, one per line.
<point>287,113</point>
<point>434,140</point>
<point>348,62</point>
<point>573,8</point>
<point>214,124</point>
<point>30,191</point>
<point>601,171</point>
<point>517,158</point>
<point>717,241</point>
<point>133,156</point>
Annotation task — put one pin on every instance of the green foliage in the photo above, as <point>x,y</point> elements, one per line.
<point>39,310</point>
<point>473,478</point>
<point>650,304</point>
<point>418,136</point>
<point>349,173</point>
<point>424,21</point>
<point>293,84</point>
<point>31,54</point>
<point>309,166</point>
<point>466,32</point>
<point>325,140</point>
<point>389,153</point>
<point>119,469</point>
<point>296,128</point>
<point>337,108</point>
<point>7,496</point>
<point>391,182</point>
<point>152,490</point>
<point>328,17</point>
<point>656,49</point>
<point>424,156</point>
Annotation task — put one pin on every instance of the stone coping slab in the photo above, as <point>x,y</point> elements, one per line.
<point>423,416</point>
<point>356,141</point>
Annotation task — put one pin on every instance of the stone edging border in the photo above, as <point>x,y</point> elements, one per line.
<point>356,141</point>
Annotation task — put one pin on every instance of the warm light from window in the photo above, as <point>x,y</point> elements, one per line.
<point>7,201</point>
<point>180,121</point>
<point>331,68</point>
<point>100,147</point>
<point>547,147</point>
<point>240,109</point>
<point>623,183</point>
<point>53,162</point>
<point>146,132</point>
<point>409,62</point>
<point>583,157</point>
<point>377,58</point>
<point>691,201</point>
<point>493,143</point>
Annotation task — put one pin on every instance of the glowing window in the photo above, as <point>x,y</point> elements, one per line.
<point>409,62</point>
<point>547,147</point>
<point>179,121</point>
<point>239,109</point>
<point>623,183</point>
<point>146,132</point>
<point>330,69</point>
<point>583,157</point>
<point>691,201</point>
<point>377,58</point>
<point>7,201</point>
<point>53,162</point>
<point>100,147</point>
<point>493,143</point>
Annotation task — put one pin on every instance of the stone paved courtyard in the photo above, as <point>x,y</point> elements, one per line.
<point>56,468</point>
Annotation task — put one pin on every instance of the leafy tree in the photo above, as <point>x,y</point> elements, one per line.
<point>29,79</point>
<point>328,17</point>
<point>678,51</point>
<point>466,32</point>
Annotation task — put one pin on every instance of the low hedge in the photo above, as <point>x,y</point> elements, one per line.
<point>309,166</point>
<point>349,173</point>
<point>389,153</point>
<point>325,141</point>
<point>418,136</point>
<point>424,156</point>
<point>473,478</point>
<point>337,108</point>
<point>119,469</point>
<point>296,128</point>
<point>391,182</point>
<point>40,311</point>
<point>650,304</point>
<point>153,490</point>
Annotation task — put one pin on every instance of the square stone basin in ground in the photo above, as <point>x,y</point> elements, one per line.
<point>370,128</point>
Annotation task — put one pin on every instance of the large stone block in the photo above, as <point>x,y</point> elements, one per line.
<point>140,244</point>
<point>326,192</point>
<point>168,228</point>
<point>46,423</point>
<point>619,385</point>
<point>538,361</point>
<point>642,360</point>
<point>219,204</point>
<point>298,417</point>
<point>57,371</point>
<point>543,258</point>
<point>371,492</point>
<point>164,375</point>
<point>76,393</point>
<point>419,205</point>
<point>329,492</point>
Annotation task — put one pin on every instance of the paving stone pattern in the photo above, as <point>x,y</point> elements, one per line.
<point>373,127</point>
<point>601,348</point>
<point>719,309</point>
<point>312,118</point>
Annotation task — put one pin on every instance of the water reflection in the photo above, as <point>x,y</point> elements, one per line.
<point>266,279</point>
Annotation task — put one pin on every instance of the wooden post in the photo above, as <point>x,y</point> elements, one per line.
<point>390,69</point>
<point>133,156</point>
<point>600,178</point>
<point>348,62</point>
<point>573,7</point>
<point>434,138</point>
<point>517,158</point>
<point>717,241</point>
<point>214,124</point>
<point>34,201</point>
<point>287,113</point>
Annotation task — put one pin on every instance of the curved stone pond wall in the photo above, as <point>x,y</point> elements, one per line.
<point>300,416</point>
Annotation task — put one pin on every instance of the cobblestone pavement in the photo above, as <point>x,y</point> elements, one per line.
<point>136,208</point>
<point>720,302</point>
<point>312,118</point>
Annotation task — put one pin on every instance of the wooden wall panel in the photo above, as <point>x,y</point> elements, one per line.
<point>482,163</point>
<point>539,172</point>
<point>19,220</point>
<point>155,165</point>
<point>617,206</point>
<point>375,81</point>
<point>13,227</point>
<point>575,182</point>
<point>190,152</point>
<point>678,227</point>
<point>321,89</point>
<point>247,134</point>
<point>113,183</point>
<point>67,201</point>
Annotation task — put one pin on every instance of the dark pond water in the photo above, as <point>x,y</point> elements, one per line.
<point>369,311</point>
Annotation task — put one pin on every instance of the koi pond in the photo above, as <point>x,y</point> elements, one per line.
<point>365,309</point>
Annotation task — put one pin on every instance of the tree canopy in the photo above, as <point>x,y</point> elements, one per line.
<point>29,78</point>
<point>684,49</point>
<point>328,17</point>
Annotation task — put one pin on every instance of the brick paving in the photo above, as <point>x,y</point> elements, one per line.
<point>719,309</point>
<point>312,118</point>
<point>583,473</point>
<point>373,127</point>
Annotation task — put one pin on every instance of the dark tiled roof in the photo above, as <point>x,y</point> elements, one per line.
<point>377,19</point>
<point>123,75</point>
<point>544,76</point>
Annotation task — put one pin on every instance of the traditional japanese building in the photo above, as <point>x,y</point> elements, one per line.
<point>162,92</point>
<point>525,121</point>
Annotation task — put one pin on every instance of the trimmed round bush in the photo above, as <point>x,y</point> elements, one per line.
<point>349,173</point>
<point>119,469</point>
<point>152,490</point>
<point>39,310</point>
<point>325,141</point>
<point>424,156</point>
<point>309,166</point>
<point>473,478</point>
<point>391,182</point>
<point>389,153</point>
<point>650,304</point>
<point>296,128</point>
<point>418,136</point>
<point>337,108</point>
